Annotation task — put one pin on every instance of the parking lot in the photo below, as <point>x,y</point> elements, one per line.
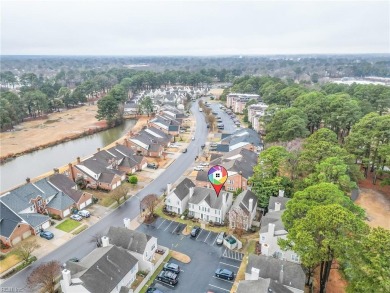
<point>206,257</point>
<point>228,123</point>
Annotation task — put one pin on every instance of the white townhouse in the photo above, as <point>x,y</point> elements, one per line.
<point>177,200</point>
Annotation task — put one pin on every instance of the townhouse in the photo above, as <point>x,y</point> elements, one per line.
<point>237,101</point>
<point>243,138</point>
<point>243,210</point>
<point>272,229</point>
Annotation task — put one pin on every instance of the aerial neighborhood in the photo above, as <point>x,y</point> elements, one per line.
<point>213,188</point>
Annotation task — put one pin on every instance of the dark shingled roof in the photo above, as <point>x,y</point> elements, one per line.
<point>270,267</point>
<point>8,220</point>
<point>242,201</point>
<point>34,219</point>
<point>104,268</point>
<point>183,188</point>
<point>208,195</point>
<point>60,201</point>
<point>63,183</point>
<point>224,148</point>
<point>202,176</point>
<point>128,239</point>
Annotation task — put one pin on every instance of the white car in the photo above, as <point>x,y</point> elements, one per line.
<point>84,213</point>
<point>205,164</point>
<point>193,138</point>
<point>198,168</point>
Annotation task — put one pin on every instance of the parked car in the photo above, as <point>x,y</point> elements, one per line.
<point>76,217</point>
<point>74,259</point>
<point>214,144</point>
<point>220,238</point>
<point>198,168</point>
<point>215,113</point>
<point>168,277</point>
<point>84,213</point>
<point>202,146</point>
<point>172,267</point>
<point>224,274</point>
<point>153,290</point>
<point>193,138</point>
<point>195,231</point>
<point>152,165</point>
<point>46,234</point>
<point>185,150</point>
<point>205,164</point>
<point>182,131</point>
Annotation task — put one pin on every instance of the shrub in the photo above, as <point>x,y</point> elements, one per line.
<point>133,179</point>
<point>95,199</point>
<point>185,214</point>
<point>4,245</point>
<point>2,256</point>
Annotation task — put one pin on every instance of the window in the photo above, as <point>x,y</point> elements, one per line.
<point>279,254</point>
<point>262,238</point>
<point>295,257</point>
<point>154,245</point>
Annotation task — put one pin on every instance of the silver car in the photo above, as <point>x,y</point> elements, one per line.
<point>220,238</point>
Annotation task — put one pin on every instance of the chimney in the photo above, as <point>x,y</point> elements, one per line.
<point>191,191</point>
<point>98,149</point>
<point>78,160</point>
<point>28,180</point>
<point>67,277</point>
<point>105,241</point>
<point>281,275</point>
<point>126,221</point>
<point>277,206</point>
<point>271,229</point>
<point>264,249</point>
<point>169,186</point>
<point>71,174</point>
<point>281,193</point>
<point>255,272</point>
<point>250,205</point>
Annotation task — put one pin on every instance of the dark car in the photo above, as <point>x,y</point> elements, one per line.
<point>153,290</point>
<point>195,231</point>
<point>74,259</point>
<point>224,274</point>
<point>152,165</point>
<point>184,151</point>
<point>46,234</point>
<point>169,266</point>
<point>168,277</point>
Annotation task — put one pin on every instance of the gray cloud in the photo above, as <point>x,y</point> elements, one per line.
<point>194,28</point>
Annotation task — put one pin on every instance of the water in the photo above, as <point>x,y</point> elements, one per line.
<point>39,162</point>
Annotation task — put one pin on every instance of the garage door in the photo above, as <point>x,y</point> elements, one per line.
<point>144,166</point>
<point>89,201</point>
<point>26,234</point>
<point>16,240</point>
<point>66,212</point>
<point>46,225</point>
<point>82,205</point>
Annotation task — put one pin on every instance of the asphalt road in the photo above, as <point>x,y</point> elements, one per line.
<point>198,276</point>
<point>81,245</point>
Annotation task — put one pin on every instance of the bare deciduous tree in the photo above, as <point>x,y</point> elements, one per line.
<point>97,238</point>
<point>26,248</point>
<point>43,278</point>
<point>149,203</point>
<point>118,193</point>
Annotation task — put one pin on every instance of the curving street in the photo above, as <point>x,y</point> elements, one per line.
<point>80,245</point>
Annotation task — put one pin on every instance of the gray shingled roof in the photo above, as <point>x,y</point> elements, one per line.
<point>104,268</point>
<point>202,176</point>
<point>208,195</point>
<point>66,185</point>
<point>183,188</point>
<point>222,148</point>
<point>8,220</point>
<point>60,201</point>
<point>270,267</point>
<point>261,286</point>
<point>274,199</point>
<point>243,135</point>
<point>34,219</point>
<point>128,239</point>
<point>274,218</point>
<point>242,201</point>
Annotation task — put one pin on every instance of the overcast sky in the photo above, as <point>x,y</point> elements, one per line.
<point>193,27</point>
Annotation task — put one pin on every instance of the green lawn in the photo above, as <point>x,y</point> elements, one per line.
<point>68,225</point>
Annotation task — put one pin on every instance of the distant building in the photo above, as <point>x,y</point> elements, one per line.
<point>237,102</point>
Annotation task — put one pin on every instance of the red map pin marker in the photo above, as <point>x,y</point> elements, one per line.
<point>217,176</point>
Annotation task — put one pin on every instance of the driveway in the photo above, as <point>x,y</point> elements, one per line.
<point>206,256</point>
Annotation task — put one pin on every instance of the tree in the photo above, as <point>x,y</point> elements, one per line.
<point>43,278</point>
<point>332,170</point>
<point>107,109</point>
<point>368,267</point>
<point>316,195</point>
<point>118,193</point>
<point>133,179</point>
<point>25,249</point>
<point>147,105</point>
<point>327,233</point>
<point>149,203</point>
